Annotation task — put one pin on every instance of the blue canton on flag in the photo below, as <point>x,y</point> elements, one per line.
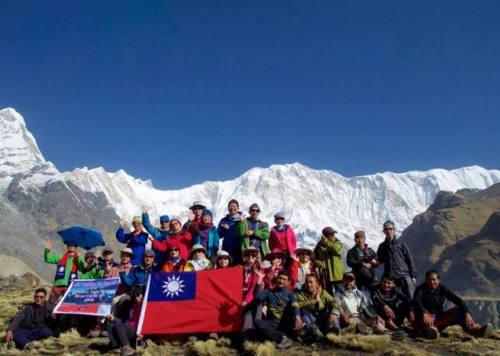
<point>165,287</point>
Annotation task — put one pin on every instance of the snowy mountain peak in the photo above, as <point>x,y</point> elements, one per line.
<point>19,152</point>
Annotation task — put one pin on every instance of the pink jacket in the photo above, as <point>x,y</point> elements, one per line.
<point>284,241</point>
<point>249,283</point>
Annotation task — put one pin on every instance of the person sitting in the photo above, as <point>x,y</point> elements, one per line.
<point>254,232</point>
<point>282,237</point>
<point>207,235</point>
<point>362,259</point>
<point>122,325</point>
<point>327,257</point>
<point>355,308</point>
<point>231,241</point>
<point>198,261</point>
<point>174,261</point>
<point>282,310</point>
<point>158,233</point>
<point>136,240</point>
<point>194,218</point>
<point>107,263</point>
<point>68,265</point>
<point>31,323</point>
<point>277,259</point>
<point>431,318</point>
<point>91,268</point>
<point>223,260</point>
<point>319,311</point>
<point>177,233</point>
<point>139,274</point>
<point>390,303</point>
<point>301,266</point>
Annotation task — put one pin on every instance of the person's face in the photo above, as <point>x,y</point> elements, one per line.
<point>232,208</point>
<point>108,256</point>
<point>197,211</point>
<point>198,255</point>
<point>282,281</point>
<point>125,258</point>
<point>279,221</point>
<point>311,285</point>
<point>389,231</point>
<point>164,225</point>
<point>254,213</point>
<point>304,257</point>
<point>175,225</point>
<point>276,261</point>
<point>90,260</point>
<point>432,281</point>
<point>251,258</point>
<point>149,260</point>
<point>207,219</point>
<point>360,241</point>
<point>174,252</point>
<point>137,226</point>
<point>223,262</point>
<point>39,298</point>
<point>71,248</point>
<point>387,284</point>
<point>349,283</point>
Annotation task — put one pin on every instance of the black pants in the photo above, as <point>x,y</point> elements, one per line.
<point>271,329</point>
<point>23,336</point>
<point>120,334</point>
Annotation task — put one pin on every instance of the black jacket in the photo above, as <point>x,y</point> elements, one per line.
<point>394,299</point>
<point>355,258</point>
<point>25,319</point>
<point>397,259</point>
<point>432,301</point>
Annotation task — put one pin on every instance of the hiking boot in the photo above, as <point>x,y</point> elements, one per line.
<point>29,346</point>
<point>335,330</point>
<point>484,331</point>
<point>362,329</point>
<point>316,333</point>
<point>127,350</point>
<point>432,333</point>
<point>284,343</point>
<point>398,335</point>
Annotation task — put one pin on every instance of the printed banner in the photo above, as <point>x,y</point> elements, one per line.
<point>88,297</point>
<point>193,302</point>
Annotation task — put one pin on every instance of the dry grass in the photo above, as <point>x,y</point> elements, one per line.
<point>366,343</point>
<point>261,349</point>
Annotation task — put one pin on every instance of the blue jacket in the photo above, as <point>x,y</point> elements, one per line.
<point>158,234</point>
<point>137,244</point>
<point>213,241</point>
<point>137,276</point>
<point>232,241</point>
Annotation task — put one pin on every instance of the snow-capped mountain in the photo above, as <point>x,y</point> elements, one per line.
<point>311,199</point>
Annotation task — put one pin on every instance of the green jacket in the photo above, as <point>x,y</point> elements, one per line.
<point>93,273</point>
<point>327,303</point>
<point>328,252</point>
<point>54,259</point>
<point>262,233</point>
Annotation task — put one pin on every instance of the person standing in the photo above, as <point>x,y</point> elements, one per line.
<point>159,234</point>
<point>136,240</point>
<point>398,261</point>
<point>183,238</point>
<point>282,237</point>
<point>32,323</point>
<point>195,217</point>
<point>207,235</point>
<point>362,259</point>
<point>327,256</point>
<point>231,241</point>
<point>254,232</point>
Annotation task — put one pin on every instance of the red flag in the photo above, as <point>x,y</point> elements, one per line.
<point>193,302</point>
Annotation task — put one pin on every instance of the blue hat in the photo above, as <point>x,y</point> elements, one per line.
<point>164,218</point>
<point>206,212</point>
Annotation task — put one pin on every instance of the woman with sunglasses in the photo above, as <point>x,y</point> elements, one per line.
<point>174,261</point>
<point>252,272</point>
<point>282,237</point>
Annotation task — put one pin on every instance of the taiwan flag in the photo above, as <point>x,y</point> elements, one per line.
<point>193,302</point>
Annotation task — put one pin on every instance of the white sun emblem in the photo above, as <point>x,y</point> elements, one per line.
<point>173,286</point>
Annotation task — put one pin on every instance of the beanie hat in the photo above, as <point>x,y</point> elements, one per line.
<point>164,218</point>
<point>175,217</point>
<point>254,206</point>
<point>233,201</point>
<point>206,212</point>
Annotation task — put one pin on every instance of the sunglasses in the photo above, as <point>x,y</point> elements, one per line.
<point>388,229</point>
<point>174,249</point>
<point>279,219</point>
<point>39,296</point>
<point>224,258</point>
<point>255,211</point>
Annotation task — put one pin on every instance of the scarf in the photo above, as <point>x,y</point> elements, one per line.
<point>201,264</point>
<point>174,260</point>
<point>61,267</point>
<point>206,226</point>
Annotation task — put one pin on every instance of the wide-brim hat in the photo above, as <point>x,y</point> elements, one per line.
<point>197,204</point>
<point>304,249</point>
<point>128,251</point>
<point>250,250</point>
<point>275,253</point>
<point>197,247</point>
<point>224,254</point>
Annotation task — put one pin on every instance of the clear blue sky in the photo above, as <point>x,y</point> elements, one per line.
<point>186,91</point>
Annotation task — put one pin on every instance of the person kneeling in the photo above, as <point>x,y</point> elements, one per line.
<point>390,303</point>
<point>280,302</point>
<point>122,326</point>
<point>431,318</point>
<point>319,311</point>
<point>354,308</point>
<point>32,323</point>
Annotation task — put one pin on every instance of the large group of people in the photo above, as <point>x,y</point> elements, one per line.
<point>289,291</point>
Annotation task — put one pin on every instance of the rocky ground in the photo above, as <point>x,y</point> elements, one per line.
<point>15,292</point>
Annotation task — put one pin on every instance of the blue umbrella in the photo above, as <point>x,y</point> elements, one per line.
<point>84,237</point>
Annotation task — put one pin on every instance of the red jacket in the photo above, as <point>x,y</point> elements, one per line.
<point>294,271</point>
<point>284,241</point>
<point>183,238</point>
<point>249,283</point>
